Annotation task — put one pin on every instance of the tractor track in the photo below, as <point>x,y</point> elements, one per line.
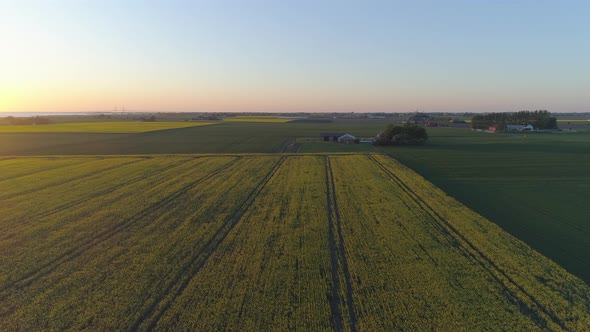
<point>338,254</point>
<point>152,315</point>
<point>72,253</point>
<point>45,169</point>
<point>69,180</point>
<point>110,190</point>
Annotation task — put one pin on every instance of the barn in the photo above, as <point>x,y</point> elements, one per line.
<point>327,136</point>
<point>346,138</point>
<point>513,127</point>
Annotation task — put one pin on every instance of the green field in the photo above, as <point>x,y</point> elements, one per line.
<point>535,186</point>
<point>100,127</point>
<point>261,242</point>
<point>264,119</point>
<point>225,137</point>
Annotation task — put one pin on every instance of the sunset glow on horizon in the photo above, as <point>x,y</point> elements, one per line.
<point>294,56</point>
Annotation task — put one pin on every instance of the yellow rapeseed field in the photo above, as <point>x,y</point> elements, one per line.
<point>353,242</point>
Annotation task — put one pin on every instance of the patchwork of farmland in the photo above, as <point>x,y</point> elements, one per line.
<point>261,242</point>
<point>101,127</point>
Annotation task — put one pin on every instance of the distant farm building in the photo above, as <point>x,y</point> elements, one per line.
<point>420,119</point>
<point>512,127</point>
<point>333,136</point>
<point>346,138</point>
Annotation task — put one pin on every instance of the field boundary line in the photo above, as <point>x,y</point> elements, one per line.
<point>52,264</point>
<point>112,189</point>
<point>152,315</point>
<point>479,256</point>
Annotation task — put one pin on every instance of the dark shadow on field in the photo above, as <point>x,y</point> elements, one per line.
<point>54,143</point>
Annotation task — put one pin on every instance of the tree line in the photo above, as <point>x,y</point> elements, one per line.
<point>540,119</point>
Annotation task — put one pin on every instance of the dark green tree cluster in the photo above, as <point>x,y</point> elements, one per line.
<point>408,134</point>
<point>540,119</point>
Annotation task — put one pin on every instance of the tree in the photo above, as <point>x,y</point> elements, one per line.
<point>408,134</point>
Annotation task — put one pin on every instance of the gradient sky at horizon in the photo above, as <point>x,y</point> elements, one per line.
<point>313,56</point>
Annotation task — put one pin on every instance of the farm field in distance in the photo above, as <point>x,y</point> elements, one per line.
<point>100,127</point>
<point>260,118</point>
<point>223,137</point>
<point>261,242</point>
<point>578,125</point>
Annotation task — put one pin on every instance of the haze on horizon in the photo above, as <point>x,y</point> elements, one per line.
<point>294,56</point>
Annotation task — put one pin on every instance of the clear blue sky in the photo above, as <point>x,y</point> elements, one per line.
<point>249,55</point>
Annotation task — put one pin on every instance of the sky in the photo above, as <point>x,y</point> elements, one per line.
<point>294,55</point>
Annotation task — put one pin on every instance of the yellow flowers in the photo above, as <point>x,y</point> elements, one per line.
<point>261,242</point>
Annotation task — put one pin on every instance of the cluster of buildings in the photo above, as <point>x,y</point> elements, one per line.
<point>514,128</point>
